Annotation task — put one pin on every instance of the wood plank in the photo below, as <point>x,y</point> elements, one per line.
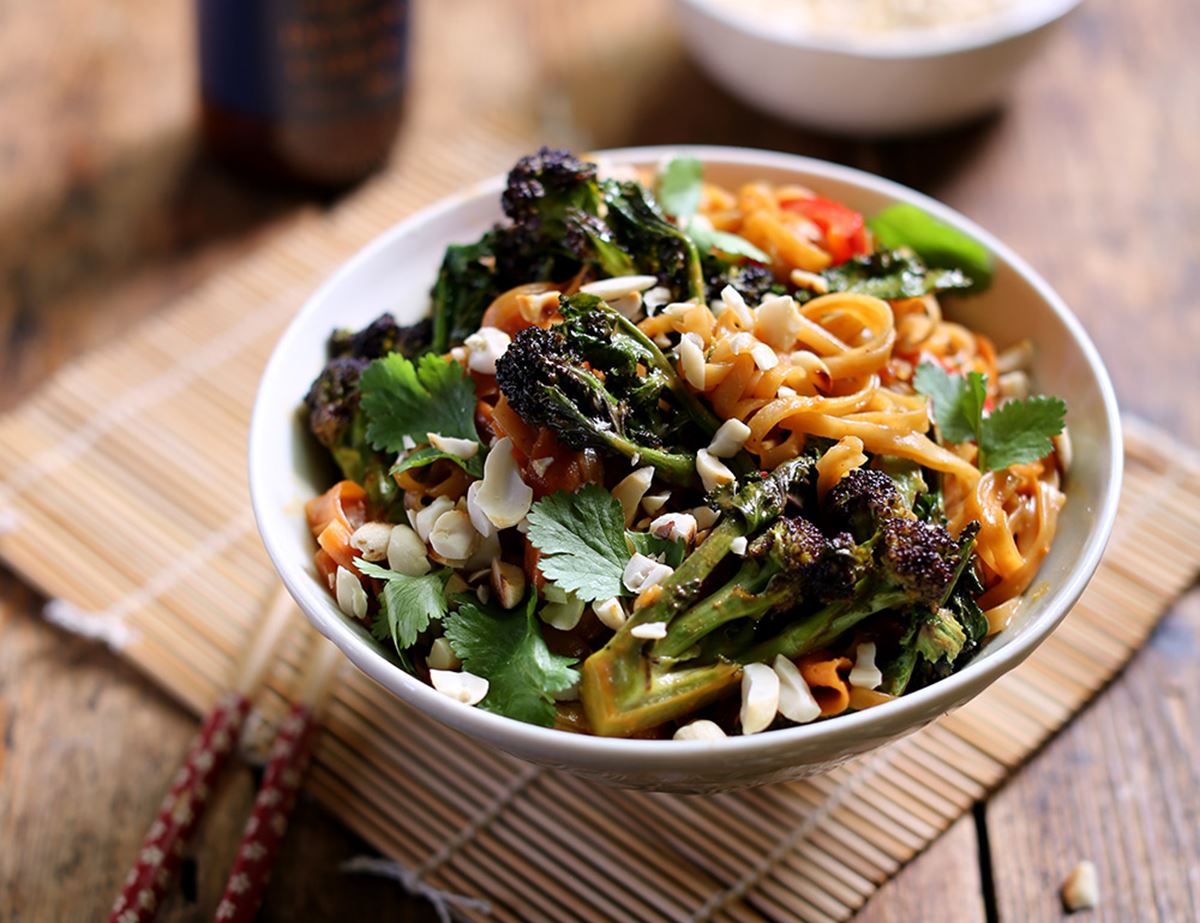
<point>942,884</point>
<point>1121,787</point>
<point>83,747</point>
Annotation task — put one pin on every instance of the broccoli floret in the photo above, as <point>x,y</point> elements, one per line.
<point>597,381</point>
<point>542,186</point>
<point>822,587</point>
<point>862,500</point>
<point>941,637</point>
<point>791,563</point>
<point>552,200</point>
<point>753,281</point>
<point>332,403</point>
<point>625,689</point>
<point>658,247</point>
<point>546,381</point>
<point>382,336</point>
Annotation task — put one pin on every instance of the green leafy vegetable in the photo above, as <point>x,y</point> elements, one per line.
<point>582,540</point>
<point>708,239</point>
<point>1016,433</point>
<point>466,285</point>
<point>938,244</point>
<point>406,604</point>
<point>658,247</point>
<point>402,398</point>
<point>670,551</point>
<point>585,545</point>
<point>957,401</point>
<point>1020,431</point>
<point>890,275</point>
<point>427,455</point>
<point>679,187</point>
<point>508,650</point>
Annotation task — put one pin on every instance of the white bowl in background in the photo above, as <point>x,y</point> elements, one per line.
<point>394,273</point>
<point>917,82</point>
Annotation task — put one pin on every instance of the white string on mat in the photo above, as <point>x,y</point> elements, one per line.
<point>413,879</point>
<point>763,867</point>
<point>109,629</point>
<point>163,580</point>
<point>151,391</point>
<point>444,903</point>
<point>10,520</point>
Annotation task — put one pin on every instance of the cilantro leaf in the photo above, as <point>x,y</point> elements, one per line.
<point>708,239</point>
<point>936,243</point>
<point>1016,433</point>
<point>508,650</point>
<point>680,184</point>
<point>957,400</point>
<point>401,398</point>
<point>406,604</point>
<point>1019,432</point>
<point>582,540</point>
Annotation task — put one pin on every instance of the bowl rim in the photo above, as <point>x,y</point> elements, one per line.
<point>917,43</point>
<point>566,746</point>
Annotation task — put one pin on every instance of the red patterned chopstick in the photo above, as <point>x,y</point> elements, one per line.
<point>181,809</point>
<point>268,822</point>
<point>277,794</point>
<point>180,812</point>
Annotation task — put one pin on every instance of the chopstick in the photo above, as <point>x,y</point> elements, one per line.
<point>276,797</point>
<point>209,752</point>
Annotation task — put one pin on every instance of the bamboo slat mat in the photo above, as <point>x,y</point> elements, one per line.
<point>124,500</point>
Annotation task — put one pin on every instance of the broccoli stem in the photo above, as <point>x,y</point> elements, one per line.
<point>619,701</point>
<point>746,596</point>
<point>822,627</point>
<point>678,468</point>
<point>620,692</point>
<point>691,404</point>
<point>688,402</point>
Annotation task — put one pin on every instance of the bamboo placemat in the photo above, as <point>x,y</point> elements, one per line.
<point>124,500</point>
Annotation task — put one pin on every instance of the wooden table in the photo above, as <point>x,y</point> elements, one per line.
<point>107,212</point>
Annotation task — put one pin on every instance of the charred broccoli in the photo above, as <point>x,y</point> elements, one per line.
<point>332,403</point>
<point>753,281</point>
<point>658,247</point>
<point>467,282</point>
<point>545,379</point>
<point>597,381</point>
<point>797,591</point>
<point>552,201</point>
<point>789,564</point>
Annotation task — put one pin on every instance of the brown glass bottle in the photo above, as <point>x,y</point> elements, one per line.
<point>306,91</point>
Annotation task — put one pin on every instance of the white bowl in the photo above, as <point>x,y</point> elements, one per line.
<point>394,274</point>
<point>916,82</point>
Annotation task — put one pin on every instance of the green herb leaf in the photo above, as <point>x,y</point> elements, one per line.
<point>1020,431</point>
<point>582,540</point>
<point>680,184</point>
<point>708,239</point>
<point>889,274</point>
<point>1014,434</point>
<point>508,650</point>
<point>466,285</point>
<point>936,243</point>
<point>957,401</point>
<point>427,455</point>
<point>402,398</point>
<point>406,604</point>
<point>669,551</point>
